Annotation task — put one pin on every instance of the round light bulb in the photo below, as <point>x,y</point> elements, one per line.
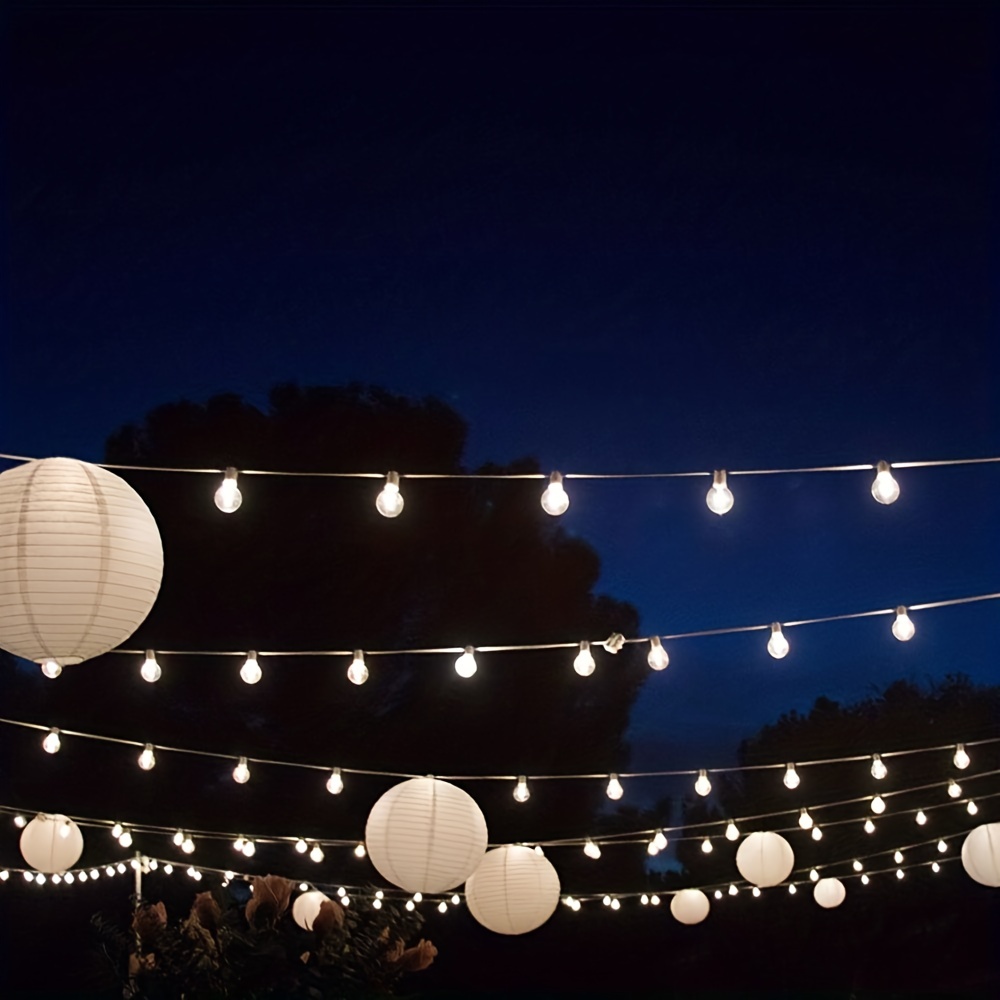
<point>20,822</point>
<point>655,900</point>
<point>791,778</point>
<point>898,857</point>
<point>456,899</point>
<point>584,663</point>
<point>357,672</point>
<point>150,670</point>
<point>942,846</point>
<point>885,489</point>
<point>68,878</point>
<point>935,867</point>
<point>359,851</point>
<point>168,869</point>
<point>614,789</point>
<point>555,499</point>
<point>40,879</point>
<point>615,905</point>
<point>719,497</point>
<point>921,818</point>
<point>706,846</point>
<point>869,826</point>
<point>121,867</point>
<point>813,875</point>
<point>410,905</point>
<point>878,805</point>
<point>125,839</point>
<point>301,846</point>
<point>903,628</point>
<point>777,645</point>
<point>187,845</point>
<point>250,671</point>
<point>755,892</point>
<point>51,742</point>
<point>879,770</point>
<point>954,788</point>
<point>335,783</point>
<point>442,907</point>
<point>239,842</point>
<point>865,880</point>
<point>858,866</point>
<point>732,832</point>
<point>657,656</point>
<point>316,854</point>
<point>961,759</point>
<point>521,791</point>
<point>702,785</point>
<point>899,873</point>
<point>644,899</point>
<point>817,833</point>
<point>660,840</point>
<point>651,849</point>
<point>791,889</point>
<point>591,849</point>
<point>241,773</point>
<point>249,849</point>
<point>733,891</point>
<point>389,503</point>
<point>29,876</point>
<point>465,665</point>
<point>805,820</point>
<point>376,904</point>
<point>228,497</point>
<point>117,830</point>
<point>51,669</point>
<point>718,894</point>
<point>972,808</point>
<point>178,838</point>
<point>147,759</point>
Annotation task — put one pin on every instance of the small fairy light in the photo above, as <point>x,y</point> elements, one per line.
<point>899,873</point>
<point>410,905</point>
<point>126,838</point>
<point>657,657</point>
<point>732,831</point>
<point>777,645</point>
<point>719,498</point>
<point>805,820</point>
<point>301,846</point>
<point>69,878</point>
<point>655,900</point>
<point>921,817</point>
<point>342,892</point>
<point>615,905</point>
<point>652,848</point>
<point>239,842</point>
<point>316,854</point>
<point>359,850</point>
<point>555,500</point>
<point>614,790</point>
<point>29,876</point>
<point>379,894</point>
<point>755,892</point>
<point>249,849</point>
<point>250,672</point>
<point>942,846</point>
<point>117,830</point>
<point>357,672</point>
<point>51,743</point>
<point>865,880</point>
<point>644,899</point>
<point>606,901</point>
<point>903,628</point>
<point>961,759</point>
<point>898,857</point>
<point>878,805</point>
<point>885,489</point>
<point>241,773</point>
<point>168,869</point>
<point>228,496</point>
<point>95,874</point>
<point>456,899</point>
<point>150,670</point>
<point>733,890</point>
<point>858,866</point>
<point>465,665</point>
<point>935,867</point>
<point>702,785</point>
<point>335,783</point>
<point>591,849</point>
<point>389,502</point>
<point>879,770</point>
<point>813,875</point>
<point>20,821</point>
<point>187,845</point>
<point>109,871</point>
<point>718,894</point>
<point>791,889</point>
<point>869,826</point>
<point>442,907</point>
<point>706,846</point>
<point>39,879</point>
<point>153,864</point>
<point>376,904</point>
<point>521,791</point>
<point>584,663</point>
<point>660,839</point>
<point>972,808</point>
<point>135,864</point>
<point>178,838</point>
<point>121,867</point>
<point>817,833</point>
<point>954,788</point>
<point>539,851</point>
<point>147,759</point>
<point>56,879</point>
<point>791,778</point>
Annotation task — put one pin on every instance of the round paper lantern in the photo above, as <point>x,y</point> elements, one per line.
<point>981,854</point>
<point>51,843</point>
<point>690,906</point>
<point>765,859</point>
<point>306,907</point>
<point>829,892</point>
<point>513,891</point>
<point>80,560</point>
<point>425,835</point>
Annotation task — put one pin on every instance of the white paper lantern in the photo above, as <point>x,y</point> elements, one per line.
<point>426,835</point>
<point>829,892</point>
<point>690,906</point>
<point>80,560</point>
<point>765,859</point>
<point>51,843</point>
<point>981,854</point>
<point>513,891</point>
<point>305,909</point>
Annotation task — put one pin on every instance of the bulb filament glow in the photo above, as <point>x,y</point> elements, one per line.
<point>465,665</point>
<point>961,759</point>
<point>702,785</point>
<point>555,500</point>
<point>335,783</point>
<point>521,791</point>
<point>614,789</point>
<point>389,503</point>
<point>584,663</point>
<point>777,645</point>
<point>241,773</point>
<point>719,497</point>
<point>51,742</point>
<point>147,759</point>
<point>657,656</point>
<point>903,628</point>
<point>228,497</point>
<point>357,672</point>
<point>150,670</point>
<point>885,489</point>
<point>879,770</point>
<point>51,668</point>
<point>250,672</point>
<point>791,778</point>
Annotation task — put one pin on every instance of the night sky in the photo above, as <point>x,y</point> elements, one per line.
<point>619,240</point>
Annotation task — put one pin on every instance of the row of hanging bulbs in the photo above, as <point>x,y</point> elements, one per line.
<point>554,499</point>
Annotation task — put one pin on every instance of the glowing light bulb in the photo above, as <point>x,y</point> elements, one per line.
<point>644,899</point>
<point>301,846</point>
<point>95,874</point>
<point>51,669</point>
<point>456,899</point>
<point>316,854</point>
<point>357,672</point>
<point>147,759</point>
<point>869,826</point>
<point>125,839</point>
<point>702,785</point>
<point>465,665</point>
<point>791,778</point>
<point>389,503</point>
<point>20,822</point>
<point>858,866</point>
<point>555,499</point>
<point>168,869</point>
<point>954,788</point>
<point>651,849</point>
<point>879,770</point>
<point>68,878</point>
<point>228,497</point>
<point>376,904</point>
<point>655,900</point>
<point>40,879</point>
<point>755,892</point>
<point>51,742</point>
<point>660,840</point>
<point>241,773</point>
<point>805,820</point>
<point>921,818</point>
<point>359,850</point>
<point>777,645</point>
<point>935,867</point>
<point>813,875</point>
<point>614,789</point>
<point>719,497</point>
<point>29,876</point>
<point>249,849</point>
<point>885,489</point>
<point>865,880</point>
<point>178,838</point>
<point>898,857</point>
<point>250,671</point>
<point>706,846</point>
<point>942,846</point>
<point>657,656</point>
<point>718,894</point>
<point>150,670</point>
<point>732,832</point>
<point>899,873</point>
<point>521,791</point>
<point>187,845</point>
<point>733,890</point>
<point>335,783</point>
<point>83,876</point>
<point>442,907</point>
<point>239,842</point>
<point>972,808</point>
<point>591,849</point>
<point>584,663</point>
<point>817,833</point>
<point>878,805</point>
<point>410,905</point>
<point>121,868</point>
<point>379,894</point>
<point>903,628</point>
<point>791,889</point>
<point>961,759</point>
<point>615,905</point>
<point>153,864</point>
<point>117,830</point>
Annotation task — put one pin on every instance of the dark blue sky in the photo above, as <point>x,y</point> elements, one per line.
<point>619,240</point>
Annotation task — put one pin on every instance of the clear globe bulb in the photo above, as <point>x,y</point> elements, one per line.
<point>791,778</point>
<point>858,866</point>
<point>521,791</point>
<point>733,891</point>
<point>732,831</point>
<point>465,665</point>
<point>316,854</point>
<point>555,500</point>
<point>903,628</point>
<point>719,497</point>
<point>187,845</point>
<point>878,805</point>
<point>898,857</point>
<point>942,846</point>
<point>150,670</point>
<point>389,503</point>
<point>51,669</point>
<point>805,820</point>
<point>359,851</point>
<point>657,656</point>
<point>879,770</point>
<point>301,846</point>
<point>817,833</point>
<point>178,838</point>
<point>147,759</point>
<point>777,645</point>
<point>935,867</point>
<point>755,892</point>
<point>791,889</point>
<point>813,875</point>
<point>885,489</point>
<point>706,846</point>
<point>591,849</point>
<point>228,497</point>
<point>865,880</point>
<point>51,742</point>
<point>660,840</point>
<point>117,830</point>
<point>241,773</point>
<point>702,785</point>
<point>614,789</point>
<point>20,822</point>
<point>651,849</point>
<point>249,849</point>
<point>961,759</point>
<point>442,907</point>
<point>584,663</point>
<point>250,672</point>
<point>335,783</point>
<point>972,808</point>
<point>954,788</point>
<point>921,818</point>
<point>869,826</point>
<point>125,839</point>
<point>357,672</point>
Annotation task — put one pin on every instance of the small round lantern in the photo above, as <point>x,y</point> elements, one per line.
<point>426,835</point>
<point>51,843</point>
<point>829,892</point>
<point>690,906</point>
<point>981,854</point>
<point>513,891</point>
<point>765,859</point>
<point>305,909</point>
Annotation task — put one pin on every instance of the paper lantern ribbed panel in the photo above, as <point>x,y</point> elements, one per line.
<point>690,906</point>
<point>305,909</point>
<point>513,891</point>
<point>80,560</point>
<point>765,858</point>
<point>829,892</point>
<point>51,843</point>
<point>425,835</point>
<point>981,854</point>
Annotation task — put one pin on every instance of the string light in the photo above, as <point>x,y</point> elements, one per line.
<point>301,846</point>
<point>316,854</point>
<point>657,657</point>
<point>614,789</point>
<point>755,892</point>
<point>935,867</point>
<point>20,822</point>
<point>885,489</point>
<point>241,773</point>
<point>410,905</point>
<point>591,849</point>
<point>972,808</point>
<point>51,742</point>
<point>733,890</point>
<point>147,759</point>
<point>706,846</point>
<point>584,663</point>
<point>178,838</point>
<point>879,770</point>
<point>903,628</point>
<point>442,907</point>
<point>121,867</point>
<point>813,875</point>
<point>858,866</point>
<point>805,820</point>
<point>51,668</point>
<point>655,900</point>
<point>465,665</point>
<point>187,845</point>
<point>898,857</point>
<point>961,759</point>
<point>817,833</point>
<point>615,904</point>
<point>869,826</point>
<point>376,904</point>
<point>359,850</point>
<point>250,672</point>
<point>521,791</point>
<point>865,880</point>
<point>899,873</point>
<point>791,889</point>
<point>249,848</point>
<point>117,830</point>
<point>777,645</point>
<point>228,496</point>
<point>456,899</point>
<point>389,503</point>
<point>125,839</point>
<point>357,672</point>
<point>732,831</point>
<point>335,783</point>
<point>239,842</point>
<point>555,500</point>
<point>702,785</point>
<point>954,789</point>
<point>150,670</point>
<point>719,497</point>
<point>791,778</point>
<point>878,805</point>
<point>920,818</point>
<point>168,869</point>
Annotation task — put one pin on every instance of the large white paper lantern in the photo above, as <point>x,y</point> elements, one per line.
<point>829,892</point>
<point>425,835</point>
<point>305,909</point>
<point>80,560</point>
<point>981,854</point>
<point>765,859</point>
<point>51,843</point>
<point>690,906</point>
<point>513,891</point>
